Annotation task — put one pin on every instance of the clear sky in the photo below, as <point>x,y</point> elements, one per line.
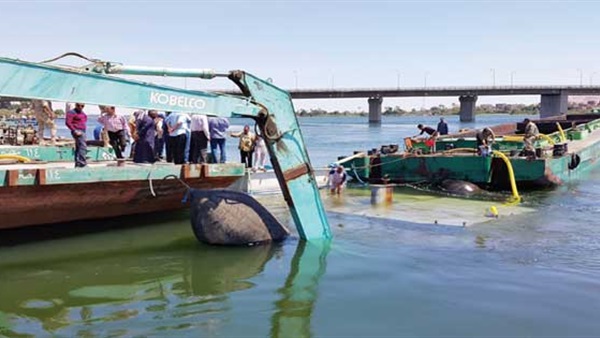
<point>324,43</point>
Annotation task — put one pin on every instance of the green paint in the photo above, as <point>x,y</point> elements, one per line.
<point>59,153</point>
<point>269,105</point>
<point>92,174</point>
<point>472,168</point>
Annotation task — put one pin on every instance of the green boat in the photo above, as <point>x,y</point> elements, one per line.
<point>567,146</point>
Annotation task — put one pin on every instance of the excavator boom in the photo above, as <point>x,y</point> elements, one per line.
<point>268,105</point>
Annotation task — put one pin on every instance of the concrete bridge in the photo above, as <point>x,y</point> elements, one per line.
<point>554,99</point>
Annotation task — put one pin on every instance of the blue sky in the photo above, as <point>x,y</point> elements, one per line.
<point>324,43</point>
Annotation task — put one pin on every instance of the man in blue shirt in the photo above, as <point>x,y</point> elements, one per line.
<point>217,127</point>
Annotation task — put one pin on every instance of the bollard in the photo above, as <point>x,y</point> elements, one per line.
<point>381,194</point>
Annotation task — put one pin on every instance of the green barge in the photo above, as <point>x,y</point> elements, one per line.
<point>567,146</point>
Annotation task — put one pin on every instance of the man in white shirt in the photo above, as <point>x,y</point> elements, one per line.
<point>177,125</point>
<point>200,138</point>
<point>117,127</point>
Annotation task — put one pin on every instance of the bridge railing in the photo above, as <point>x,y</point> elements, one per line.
<point>449,88</point>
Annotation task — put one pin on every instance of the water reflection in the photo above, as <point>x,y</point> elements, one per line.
<point>300,292</point>
<point>181,290</point>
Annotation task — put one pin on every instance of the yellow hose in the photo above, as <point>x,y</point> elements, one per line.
<point>547,138</point>
<point>460,150</point>
<point>562,133</point>
<point>511,176</point>
<point>512,138</point>
<point>14,157</point>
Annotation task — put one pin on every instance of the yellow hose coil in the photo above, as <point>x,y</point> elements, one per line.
<point>511,176</point>
<point>14,157</point>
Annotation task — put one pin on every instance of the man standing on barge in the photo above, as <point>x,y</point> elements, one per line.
<point>117,127</point>
<point>76,122</point>
<point>45,118</point>
<point>531,134</point>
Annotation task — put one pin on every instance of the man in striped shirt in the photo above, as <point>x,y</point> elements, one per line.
<point>117,128</point>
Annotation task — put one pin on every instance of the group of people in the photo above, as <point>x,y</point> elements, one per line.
<point>486,137</point>
<point>183,138</point>
<point>433,134</point>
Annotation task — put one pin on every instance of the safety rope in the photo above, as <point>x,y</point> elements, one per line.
<point>187,186</point>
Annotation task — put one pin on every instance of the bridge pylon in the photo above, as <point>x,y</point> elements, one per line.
<point>375,109</point>
<point>467,107</point>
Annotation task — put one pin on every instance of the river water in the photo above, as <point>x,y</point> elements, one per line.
<point>533,274</point>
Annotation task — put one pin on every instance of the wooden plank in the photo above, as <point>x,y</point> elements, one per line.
<point>296,172</point>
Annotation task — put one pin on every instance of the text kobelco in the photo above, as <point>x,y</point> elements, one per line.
<point>177,101</point>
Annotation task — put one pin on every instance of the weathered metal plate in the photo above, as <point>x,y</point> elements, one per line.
<point>58,154</point>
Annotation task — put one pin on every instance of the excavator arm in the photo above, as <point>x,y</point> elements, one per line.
<point>268,105</point>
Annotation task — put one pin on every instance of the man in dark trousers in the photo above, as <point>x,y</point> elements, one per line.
<point>442,127</point>
<point>76,121</point>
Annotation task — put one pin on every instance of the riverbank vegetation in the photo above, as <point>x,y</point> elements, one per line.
<point>442,110</point>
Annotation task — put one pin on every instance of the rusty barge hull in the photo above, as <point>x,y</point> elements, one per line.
<point>36,195</point>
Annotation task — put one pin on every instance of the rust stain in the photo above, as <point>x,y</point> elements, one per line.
<point>12,178</point>
<point>422,168</point>
<point>41,177</point>
<point>185,171</point>
<point>551,177</point>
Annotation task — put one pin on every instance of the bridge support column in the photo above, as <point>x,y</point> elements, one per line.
<point>375,110</point>
<point>554,104</point>
<point>467,107</point>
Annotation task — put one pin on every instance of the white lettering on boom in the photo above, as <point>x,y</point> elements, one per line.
<point>177,101</point>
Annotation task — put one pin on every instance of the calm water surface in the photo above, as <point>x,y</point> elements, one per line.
<point>532,274</point>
